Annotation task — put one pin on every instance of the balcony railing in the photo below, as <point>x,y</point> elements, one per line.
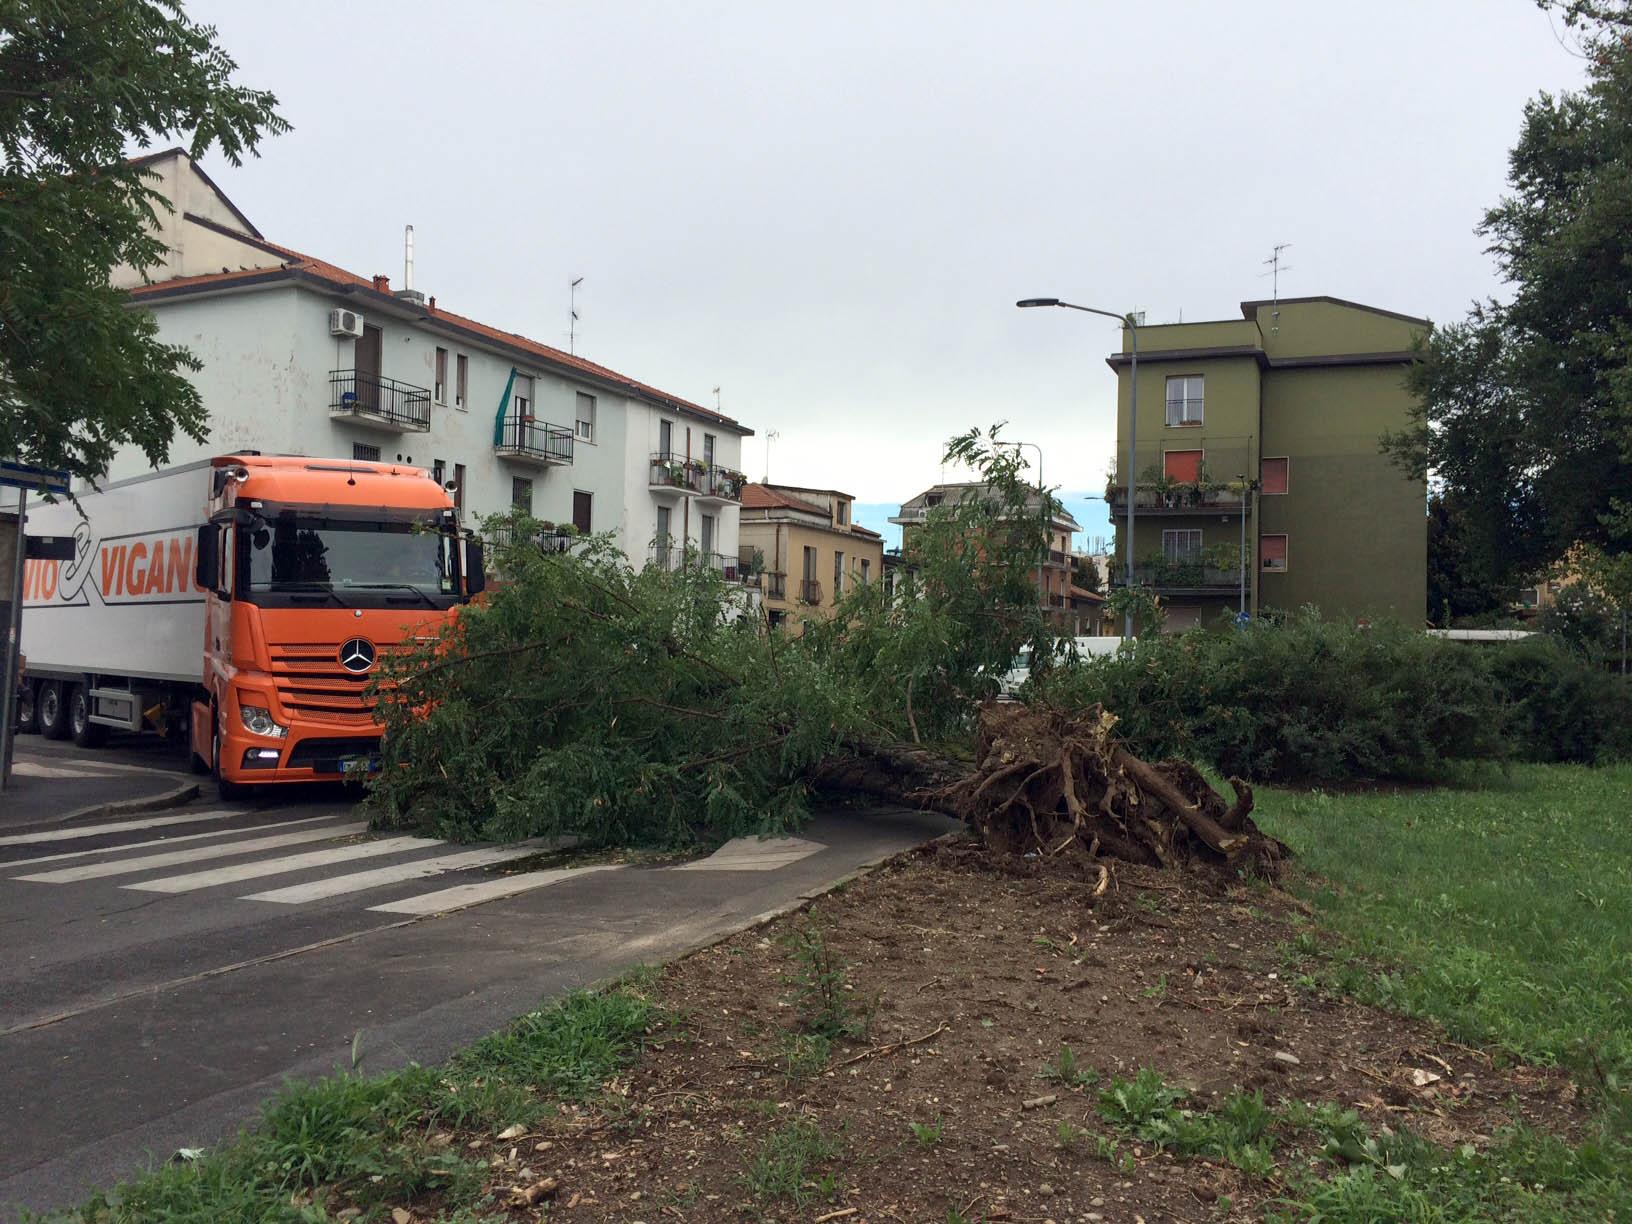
<point>545,539</point>
<point>675,559</point>
<point>371,399</point>
<point>810,591</point>
<point>676,472</point>
<point>534,441</point>
<point>1180,576</point>
<point>776,586</point>
<point>1182,499</point>
<point>723,483</point>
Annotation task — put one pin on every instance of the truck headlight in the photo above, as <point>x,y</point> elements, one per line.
<point>258,720</point>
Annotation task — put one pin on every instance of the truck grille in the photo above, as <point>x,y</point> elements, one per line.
<point>312,684</point>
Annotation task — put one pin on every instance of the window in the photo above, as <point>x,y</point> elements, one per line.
<point>461,381</point>
<point>459,487</point>
<point>838,574</point>
<point>708,450</point>
<point>441,375</point>
<point>586,417</point>
<point>866,571</point>
<point>844,514</point>
<point>522,400</point>
<point>1181,547</point>
<point>663,528</point>
<point>1182,465</point>
<point>581,505</point>
<point>521,495</point>
<point>1272,548</point>
<point>439,472</point>
<point>705,533</point>
<point>665,438</point>
<point>810,565</point>
<point>932,500</point>
<point>1184,400</point>
<point>365,452</point>
<point>1272,476</point>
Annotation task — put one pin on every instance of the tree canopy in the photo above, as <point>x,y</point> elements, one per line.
<point>81,83</point>
<point>1525,406</point>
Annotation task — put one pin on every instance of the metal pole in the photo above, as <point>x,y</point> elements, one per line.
<point>1242,610</point>
<point>14,643</point>
<point>1133,448</point>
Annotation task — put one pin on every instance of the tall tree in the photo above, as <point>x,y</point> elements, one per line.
<point>81,83</point>
<point>1525,406</point>
<point>1460,581</point>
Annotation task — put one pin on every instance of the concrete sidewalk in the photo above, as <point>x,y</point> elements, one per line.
<point>54,781</point>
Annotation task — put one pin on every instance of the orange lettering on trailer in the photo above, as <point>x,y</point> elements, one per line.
<point>113,558</point>
<point>181,564</point>
<point>156,578</point>
<point>132,584</point>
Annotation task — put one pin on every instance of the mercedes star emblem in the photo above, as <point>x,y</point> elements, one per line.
<point>357,655</point>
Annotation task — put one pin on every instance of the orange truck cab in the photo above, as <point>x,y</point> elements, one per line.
<point>302,576</point>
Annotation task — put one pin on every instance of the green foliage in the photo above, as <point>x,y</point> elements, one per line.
<point>783,1165</point>
<point>581,697</point>
<point>1463,581</point>
<point>80,373</point>
<point>1503,913</point>
<point>1149,1109</point>
<point>369,1140</point>
<point>823,997</point>
<point>1560,707</point>
<point>1525,413</point>
<point>927,1134</point>
<point>1066,1071</point>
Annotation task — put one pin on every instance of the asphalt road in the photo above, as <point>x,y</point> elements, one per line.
<point>164,972</point>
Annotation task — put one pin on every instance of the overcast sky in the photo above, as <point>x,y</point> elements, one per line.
<point>829,210</point>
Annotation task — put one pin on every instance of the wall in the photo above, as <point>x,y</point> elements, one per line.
<point>783,539</point>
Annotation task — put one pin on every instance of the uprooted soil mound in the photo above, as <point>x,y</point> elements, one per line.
<point>1052,783</point>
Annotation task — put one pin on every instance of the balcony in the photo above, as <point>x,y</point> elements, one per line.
<point>722,484</point>
<point>675,559</point>
<point>1181,577</point>
<point>670,471</point>
<point>810,591</point>
<point>1182,499</point>
<point>379,403</point>
<point>524,440</point>
<point>776,586</point>
<point>546,539</point>
<point>1194,473</point>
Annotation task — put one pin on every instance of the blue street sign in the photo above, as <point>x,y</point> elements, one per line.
<point>35,479</point>
<point>1243,619</point>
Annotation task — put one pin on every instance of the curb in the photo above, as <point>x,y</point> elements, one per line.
<point>177,797</point>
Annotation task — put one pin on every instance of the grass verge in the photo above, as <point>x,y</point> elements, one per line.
<point>364,1143</point>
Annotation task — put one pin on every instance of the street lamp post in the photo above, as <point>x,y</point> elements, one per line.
<point>1133,426</point>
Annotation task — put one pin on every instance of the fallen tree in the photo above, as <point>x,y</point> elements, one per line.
<point>622,707</point>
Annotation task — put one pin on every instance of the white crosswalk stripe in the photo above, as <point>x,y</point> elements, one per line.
<point>70,832</point>
<point>163,841</point>
<point>755,854</point>
<point>174,858</point>
<point>462,895</point>
<point>379,877</point>
<point>283,866</point>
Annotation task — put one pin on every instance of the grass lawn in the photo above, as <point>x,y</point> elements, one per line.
<point>1504,912</point>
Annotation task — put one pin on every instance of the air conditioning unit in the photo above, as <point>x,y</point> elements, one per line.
<point>345,323</point>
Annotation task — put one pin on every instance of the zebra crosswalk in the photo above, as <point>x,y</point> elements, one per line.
<point>235,858</point>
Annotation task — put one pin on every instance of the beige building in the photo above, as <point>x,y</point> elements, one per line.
<point>807,548</point>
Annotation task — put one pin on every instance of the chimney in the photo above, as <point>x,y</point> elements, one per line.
<point>382,284</point>
<point>408,293</point>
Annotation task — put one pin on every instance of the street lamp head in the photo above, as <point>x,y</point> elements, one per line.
<point>1024,302</point>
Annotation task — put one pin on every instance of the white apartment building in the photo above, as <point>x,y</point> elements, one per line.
<point>302,357</point>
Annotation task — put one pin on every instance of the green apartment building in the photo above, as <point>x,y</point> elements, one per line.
<point>1266,429</point>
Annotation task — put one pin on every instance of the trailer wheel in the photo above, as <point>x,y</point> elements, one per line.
<point>28,713</point>
<point>86,733</point>
<point>53,713</point>
<point>229,790</point>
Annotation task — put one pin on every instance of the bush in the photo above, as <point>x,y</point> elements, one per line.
<point>1313,701</point>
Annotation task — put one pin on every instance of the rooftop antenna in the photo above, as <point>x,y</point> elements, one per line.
<point>770,434</point>
<point>408,257</point>
<point>572,311</point>
<point>717,401</point>
<point>1276,267</point>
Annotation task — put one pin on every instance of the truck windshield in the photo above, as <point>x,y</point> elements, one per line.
<point>358,562</point>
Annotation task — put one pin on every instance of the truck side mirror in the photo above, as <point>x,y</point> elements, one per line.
<point>475,568</point>
<point>206,557</point>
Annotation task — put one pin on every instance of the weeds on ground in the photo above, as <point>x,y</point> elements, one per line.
<point>928,1134</point>
<point>823,995</point>
<point>1148,1108</point>
<point>365,1142</point>
<point>782,1166</point>
<point>1067,1072</point>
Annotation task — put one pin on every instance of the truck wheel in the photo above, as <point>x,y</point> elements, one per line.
<point>86,733</point>
<point>28,713</point>
<point>53,713</point>
<point>229,790</point>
